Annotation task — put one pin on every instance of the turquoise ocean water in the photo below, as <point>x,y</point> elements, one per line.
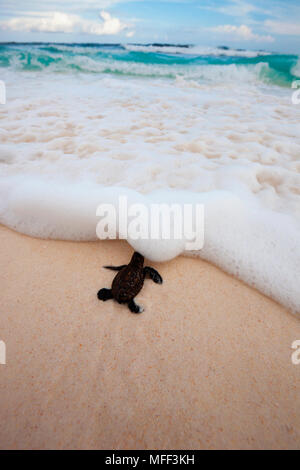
<point>153,60</point>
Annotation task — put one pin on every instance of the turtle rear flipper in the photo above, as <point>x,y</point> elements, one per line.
<point>104,294</point>
<point>153,274</point>
<point>134,308</point>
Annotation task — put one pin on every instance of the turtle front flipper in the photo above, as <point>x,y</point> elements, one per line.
<point>134,308</point>
<point>104,294</point>
<point>115,268</point>
<point>153,274</point>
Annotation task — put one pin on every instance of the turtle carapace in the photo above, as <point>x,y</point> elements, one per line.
<point>128,282</point>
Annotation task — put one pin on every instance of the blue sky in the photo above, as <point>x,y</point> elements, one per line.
<point>253,24</point>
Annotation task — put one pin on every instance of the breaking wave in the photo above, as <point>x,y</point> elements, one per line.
<point>154,61</point>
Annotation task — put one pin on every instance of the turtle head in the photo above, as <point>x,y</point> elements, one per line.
<point>137,259</point>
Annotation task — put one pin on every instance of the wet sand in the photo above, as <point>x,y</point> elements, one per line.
<point>206,366</point>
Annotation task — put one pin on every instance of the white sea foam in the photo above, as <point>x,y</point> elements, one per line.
<point>70,143</point>
<point>296,69</point>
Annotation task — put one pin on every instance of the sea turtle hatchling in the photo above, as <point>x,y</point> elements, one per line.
<point>128,282</point>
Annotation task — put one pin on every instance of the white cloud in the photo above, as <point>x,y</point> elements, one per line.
<point>240,32</point>
<point>236,8</point>
<point>278,27</point>
<point>58,22</point>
